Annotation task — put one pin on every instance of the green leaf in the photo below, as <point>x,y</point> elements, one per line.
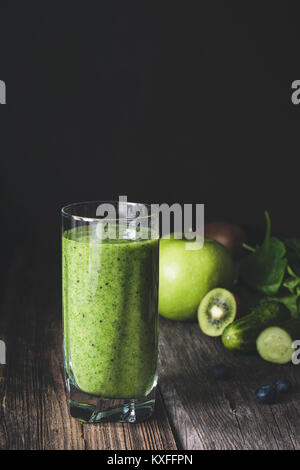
<point>292,283</point>
<point>264,269</point>
<point>292,303</point>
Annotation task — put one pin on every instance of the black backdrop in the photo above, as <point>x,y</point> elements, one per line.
<point>163,101</point>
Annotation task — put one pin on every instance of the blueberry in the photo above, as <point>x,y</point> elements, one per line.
<point>265,394</point>
<point>220,372</point>
<point>283,385</point>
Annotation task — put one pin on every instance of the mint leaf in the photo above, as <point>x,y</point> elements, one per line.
<point>264,269</point>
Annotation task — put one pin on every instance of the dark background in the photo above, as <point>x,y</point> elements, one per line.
<point>161,101</point>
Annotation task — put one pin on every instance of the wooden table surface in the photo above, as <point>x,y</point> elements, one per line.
<point>193,410</point>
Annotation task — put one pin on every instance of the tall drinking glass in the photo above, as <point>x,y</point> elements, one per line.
<point>110,316</point>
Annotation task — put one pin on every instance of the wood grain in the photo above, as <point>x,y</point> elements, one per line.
<point>210,414</point>
<point>34,410</point>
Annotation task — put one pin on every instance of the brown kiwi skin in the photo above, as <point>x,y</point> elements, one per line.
<point>239,312</point>
<point>230,235</point>
<point>241,309</point>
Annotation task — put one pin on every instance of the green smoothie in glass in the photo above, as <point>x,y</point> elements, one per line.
<point>110,291</point>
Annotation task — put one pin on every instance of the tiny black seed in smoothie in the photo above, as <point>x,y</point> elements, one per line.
<point>93,345</point>
<point>106,283</point>
<point>101,321</point>
<point>118,259</point>
<point>83,316</point>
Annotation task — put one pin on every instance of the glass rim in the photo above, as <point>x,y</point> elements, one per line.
<point>66,210</point>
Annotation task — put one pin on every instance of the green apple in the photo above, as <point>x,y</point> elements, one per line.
<point>186,275</point>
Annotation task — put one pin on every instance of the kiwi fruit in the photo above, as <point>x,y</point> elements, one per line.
<point>229,235</point>
<point>216,310</point>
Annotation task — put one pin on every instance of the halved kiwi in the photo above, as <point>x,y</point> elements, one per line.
<point>216,310</point>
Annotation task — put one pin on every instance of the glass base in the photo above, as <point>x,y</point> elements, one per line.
<point>90,409</point>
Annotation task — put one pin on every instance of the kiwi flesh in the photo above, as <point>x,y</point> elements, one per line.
<point>216,310</point>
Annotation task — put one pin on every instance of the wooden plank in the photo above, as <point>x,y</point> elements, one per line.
<point>154,434</point>
<point>34,410</point>
<point>209,414</point>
